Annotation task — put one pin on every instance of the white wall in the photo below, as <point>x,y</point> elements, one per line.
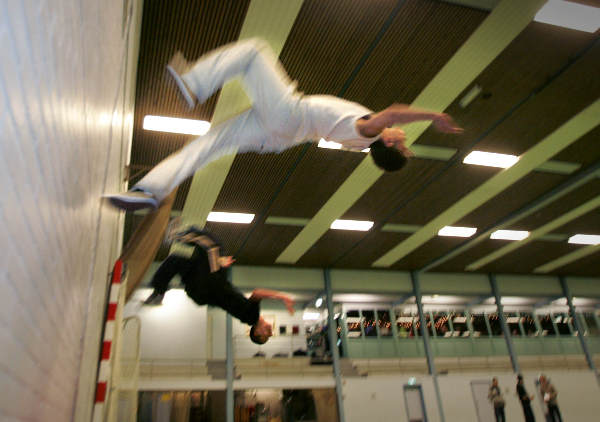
<point>380,398</point>
<point>66,107</point>
<point>175,330</point>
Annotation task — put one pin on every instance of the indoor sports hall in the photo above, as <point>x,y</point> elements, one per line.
<point>464,287</point>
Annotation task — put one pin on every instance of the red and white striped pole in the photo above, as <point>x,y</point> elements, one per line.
<point>110,327</point>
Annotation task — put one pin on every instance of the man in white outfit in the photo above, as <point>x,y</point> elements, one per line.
<point>279,118</point>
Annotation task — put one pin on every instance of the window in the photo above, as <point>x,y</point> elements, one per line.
<point>406,324</point>
<point>440,320</point>
<point>383,320</point>
<point>369,323</point>
<point>547,326</point>
<point>512,321</point>
<point>562,321</point>
<point>459,322</point>
<point>353,322</point>
<point>495,325</point>
<point>528,323</point>
<point>479,325</point>
<point>591,323</point>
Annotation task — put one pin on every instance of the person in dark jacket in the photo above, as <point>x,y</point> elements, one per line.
<point>525,399</point>
<point>495,396</point>
<point>205,279</point>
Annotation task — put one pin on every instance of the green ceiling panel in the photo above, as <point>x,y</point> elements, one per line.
<point>535,234</point>
<point>498,30</point>
<point>566,259</point>
<point>565,135</point>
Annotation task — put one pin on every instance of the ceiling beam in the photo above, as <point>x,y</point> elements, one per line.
<point>528,209</point>
<point>561,138</point>
<point>503,24</point>
<point>535,234</point>
<point>567,259</point>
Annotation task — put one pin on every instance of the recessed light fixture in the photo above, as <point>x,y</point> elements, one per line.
<point>569,15</point>
<point>362,226</point>
<point>329,144</point>
<point>490,159</point>
<point>230,217</point>
<point>510,234</point>
<point>335,145</point>
<point>585,239</point>
<point>176,125</point>
<point>457,231</point>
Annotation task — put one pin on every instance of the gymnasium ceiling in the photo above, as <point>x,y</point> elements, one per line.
<point>539,99</point>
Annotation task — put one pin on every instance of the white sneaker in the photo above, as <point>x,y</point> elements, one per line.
<point>178,66</point>
<point>133,200</point>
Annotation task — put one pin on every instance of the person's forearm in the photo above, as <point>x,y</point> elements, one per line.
<point>266,294</point>
<point>396,114</point>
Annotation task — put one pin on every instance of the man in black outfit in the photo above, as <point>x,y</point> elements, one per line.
<point>525,399</point>
<point>204,276</point>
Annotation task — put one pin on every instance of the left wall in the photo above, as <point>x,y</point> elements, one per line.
<point>67,80</point>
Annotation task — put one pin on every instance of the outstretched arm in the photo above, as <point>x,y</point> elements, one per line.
<point>258,294</point>
<point>399,114</point>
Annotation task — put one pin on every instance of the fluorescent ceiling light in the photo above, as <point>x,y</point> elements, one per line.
<point>318,302</point>
<point>585,239</point>
<point>230,217</point>
<point>490,159</point>
<point>175,125</point>
<point>570,15</point>
<point>334,145</point>
<point>311,316</point>
<point>510,234</point>
<point>457,231</point>
<point>329,144</point>
<point>362,226</point>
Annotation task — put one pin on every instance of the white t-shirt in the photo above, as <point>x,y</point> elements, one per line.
<point>334,119</point>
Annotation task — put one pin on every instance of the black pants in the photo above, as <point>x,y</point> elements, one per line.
<point>499,412</point>
<point>554,413</point>
<point>528,412</point>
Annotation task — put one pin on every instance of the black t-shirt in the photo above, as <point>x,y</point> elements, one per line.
<point>203,286</point>
<point>522,393</point>
<point>214,289</point>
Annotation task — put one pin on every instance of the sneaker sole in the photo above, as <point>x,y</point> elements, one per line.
<point>182,88</point>
<point>131,204</point>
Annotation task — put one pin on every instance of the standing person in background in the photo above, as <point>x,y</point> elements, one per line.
<point>525,399</point>
<point>550,394</point>
<point>495,396</point>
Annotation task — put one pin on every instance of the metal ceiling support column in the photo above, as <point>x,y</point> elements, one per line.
<point>578,327</point>
<point>414,276</point>
<point>505,330</point>
<point>229,405</point>
<point>331,330</point>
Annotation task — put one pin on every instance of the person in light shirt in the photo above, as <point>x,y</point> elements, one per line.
<point>280,118</point>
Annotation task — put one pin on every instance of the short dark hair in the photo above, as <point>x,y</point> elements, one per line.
<point>255,338</point>
<point>387,158</point>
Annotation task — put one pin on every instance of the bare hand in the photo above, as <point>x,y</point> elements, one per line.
<point>289,304</point>
<point>396,137</point>
<point>226,261</point>
<point>444,123</point>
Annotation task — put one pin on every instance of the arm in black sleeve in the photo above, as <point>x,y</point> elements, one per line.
<point>173,265</point>
<point>232,301</point>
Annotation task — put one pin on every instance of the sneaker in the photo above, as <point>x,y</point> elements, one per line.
<point>154,299</point>
<point>179,66</point>
<point>133,200</point>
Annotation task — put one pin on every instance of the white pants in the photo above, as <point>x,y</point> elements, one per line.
<point>272,124</point>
